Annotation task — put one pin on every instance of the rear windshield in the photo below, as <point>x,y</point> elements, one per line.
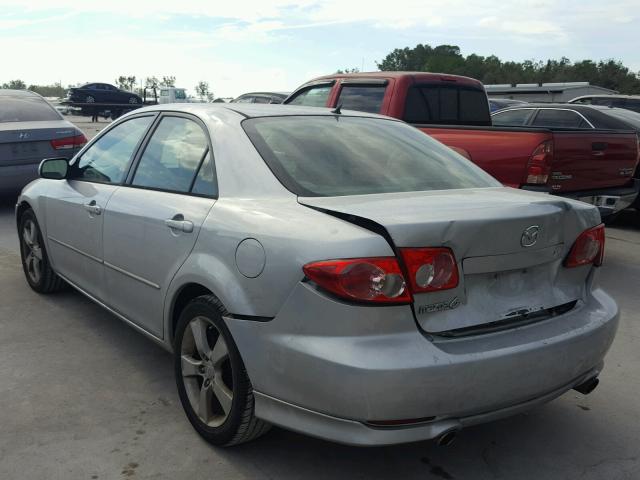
<point>26,109</point>
<point>447,105</point>
<point>341,155</point>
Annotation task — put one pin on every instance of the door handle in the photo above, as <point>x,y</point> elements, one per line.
<point>93,208</point>
<point>179,223</point>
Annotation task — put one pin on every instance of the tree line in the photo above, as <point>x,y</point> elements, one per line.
<point>125,82</point>
<point>608,73</point>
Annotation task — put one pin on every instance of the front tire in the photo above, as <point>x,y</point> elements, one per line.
<point>35,261</point>
<point>212,381</point>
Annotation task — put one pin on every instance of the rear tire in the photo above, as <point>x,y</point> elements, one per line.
<point>213,385</point>
<point>35,261</point>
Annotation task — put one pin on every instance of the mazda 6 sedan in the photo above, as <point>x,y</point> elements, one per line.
<point>335,273</point>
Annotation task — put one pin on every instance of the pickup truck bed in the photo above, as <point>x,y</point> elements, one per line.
<point>592,165</point>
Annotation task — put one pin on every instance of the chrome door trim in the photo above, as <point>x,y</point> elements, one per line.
<point>77,250</point>
<point>132,275</point>
<point>137,327</point>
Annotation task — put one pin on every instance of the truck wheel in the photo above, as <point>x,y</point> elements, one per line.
<point>89,99</point>
<point>212,381</point>
<point>35,261</point>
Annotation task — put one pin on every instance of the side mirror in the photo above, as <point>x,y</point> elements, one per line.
<point>54,168</point>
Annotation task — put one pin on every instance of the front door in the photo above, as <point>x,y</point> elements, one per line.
<point>75,212</point>
<point>152,223</point>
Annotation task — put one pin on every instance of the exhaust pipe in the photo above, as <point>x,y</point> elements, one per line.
<point>445,439</point>
<point>587,386</point>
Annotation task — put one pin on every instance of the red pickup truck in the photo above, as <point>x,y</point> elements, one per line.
<point>591,165</point>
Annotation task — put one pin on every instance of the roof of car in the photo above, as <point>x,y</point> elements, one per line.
<point>578,107</point>
<point>265,93</point>
<point>7,92</point>
<point>418,76</point>
<point>253,110</point>
<point>635,97</point>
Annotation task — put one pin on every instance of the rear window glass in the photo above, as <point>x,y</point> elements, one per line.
<point>26,109</point>
<point>448,105</point>
<point>362,98</point>
<point>341,155</point>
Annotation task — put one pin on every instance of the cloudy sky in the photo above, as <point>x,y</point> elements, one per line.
<point>244,45</point>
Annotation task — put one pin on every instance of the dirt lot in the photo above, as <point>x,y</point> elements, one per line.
<point>84,396</point>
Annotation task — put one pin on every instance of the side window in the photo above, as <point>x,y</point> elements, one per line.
<point>512,117</point>
<point>260,99</point>
<point>312,97</point>
<point>557,118</point>
<point>107,159</point>
<point>205,183</point>
<point>244,99</point>
<point>172,156</point>
<point>362,98</point>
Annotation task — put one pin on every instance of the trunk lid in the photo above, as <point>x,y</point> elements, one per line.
<point>500,278</point>
<point>23,143</point>
<point>587,160</point>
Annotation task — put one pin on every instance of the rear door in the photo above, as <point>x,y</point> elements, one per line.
<point>75,213</point>
<point>151,224</point>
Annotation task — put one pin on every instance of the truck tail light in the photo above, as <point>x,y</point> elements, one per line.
<point>68,143</point>
<point>539,165</point>
<point>381,279</point>
<point>588,248</point>
<point>430,269</point>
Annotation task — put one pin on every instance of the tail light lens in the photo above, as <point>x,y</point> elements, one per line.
<point>381,279</point>
<point>430,269</point>
<point>68,143</point>
<point>377,280</point>
<point>588,248</point>
<point>539,165</point>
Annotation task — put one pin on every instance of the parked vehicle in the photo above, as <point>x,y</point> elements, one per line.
<point>102,93</point>
<point>172,95</point>
<point>261,97</point>
<point>496,104</point>
<point>589,117</point>
<point>593,166</point>
<point>30,130</point>
<point>357,286</point>
<point>630,102</point>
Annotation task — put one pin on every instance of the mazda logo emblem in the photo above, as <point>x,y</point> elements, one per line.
<point>530,236</point>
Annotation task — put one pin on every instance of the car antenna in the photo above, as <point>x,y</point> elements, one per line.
<point>337,109</point>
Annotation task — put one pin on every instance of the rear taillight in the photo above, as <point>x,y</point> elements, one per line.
<point>381,279</point>
<point>68,143</point>
<point>430,269</point>
<point>587,249</point>
<point>377,280</point>
<point>539,165</point>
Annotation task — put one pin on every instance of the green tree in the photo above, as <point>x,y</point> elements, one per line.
<point>15,85</point>
<point>168,81</point>
<point>152,84</point>
<point>608,73</point>
<point>203,92</point>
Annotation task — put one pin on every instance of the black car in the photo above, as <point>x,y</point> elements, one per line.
<point>102,93</point>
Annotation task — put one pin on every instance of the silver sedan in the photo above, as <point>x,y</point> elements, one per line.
<point>30,130</point>
<point>337,274</point>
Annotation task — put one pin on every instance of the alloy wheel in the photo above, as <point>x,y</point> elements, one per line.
<point>133,100</point>
<point>90,99</point>
<point>206,371</point>
<point>32,251</point>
